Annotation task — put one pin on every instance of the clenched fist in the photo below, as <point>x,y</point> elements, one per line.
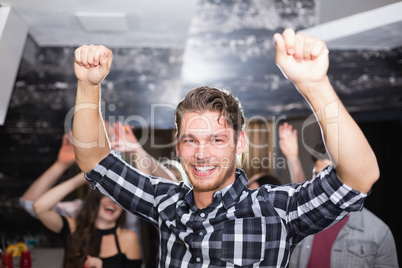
<point>92,63</point>
<point>302,59</point>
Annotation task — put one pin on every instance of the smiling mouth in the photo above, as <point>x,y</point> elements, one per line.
<point>110,209</point>
<point>204,170</point>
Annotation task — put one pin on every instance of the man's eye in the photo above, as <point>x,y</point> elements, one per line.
<point>189,141</point>
<point>217,141</point>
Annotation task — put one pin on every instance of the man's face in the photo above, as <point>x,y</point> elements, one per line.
<point>207,150</point>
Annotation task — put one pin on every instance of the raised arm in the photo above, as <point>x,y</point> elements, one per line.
<point>65,159</point>
<point>92,64</point>
<point>304,61</point>
<point>124,140</point>
<point>290,148</point>
<point>44,204</point>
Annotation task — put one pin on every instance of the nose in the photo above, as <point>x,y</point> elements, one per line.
<point>202,152</point>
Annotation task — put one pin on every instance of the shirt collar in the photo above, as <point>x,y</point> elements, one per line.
<point>356,221</point>
<point>231,193</point>
<point>227,195</point>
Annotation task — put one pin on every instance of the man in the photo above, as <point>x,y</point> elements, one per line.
<point>219,222</point>
<point>361,239</point>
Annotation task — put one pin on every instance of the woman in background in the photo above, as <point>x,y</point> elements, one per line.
<point>96,237</point>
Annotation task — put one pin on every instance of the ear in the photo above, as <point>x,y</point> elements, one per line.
<point>241,143</point>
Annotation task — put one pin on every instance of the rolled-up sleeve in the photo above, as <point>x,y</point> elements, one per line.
<point>318,203</point>
<point>340,194</point>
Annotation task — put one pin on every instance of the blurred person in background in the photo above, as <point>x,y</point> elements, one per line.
<point>361,239</point>
<point>96,236</point>
<point>122,140</point>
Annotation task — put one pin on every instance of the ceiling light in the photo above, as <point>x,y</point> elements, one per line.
<point>102,22</point>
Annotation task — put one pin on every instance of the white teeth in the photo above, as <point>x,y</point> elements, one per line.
<point>204,169</point>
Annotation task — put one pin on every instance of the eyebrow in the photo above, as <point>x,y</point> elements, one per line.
<point>191,136</point>
<point>186,136</point>
<point>219,136</point>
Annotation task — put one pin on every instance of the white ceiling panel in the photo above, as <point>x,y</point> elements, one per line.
<point>126,23</point>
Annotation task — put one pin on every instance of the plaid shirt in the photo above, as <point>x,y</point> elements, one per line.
<point>242,227</point>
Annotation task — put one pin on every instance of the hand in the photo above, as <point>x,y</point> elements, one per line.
<point>288,141</point>
<point>93,262</point>
<point>123,139</point>
<point>66,153</point>
<point>92,63</point>
<point>302,59</point>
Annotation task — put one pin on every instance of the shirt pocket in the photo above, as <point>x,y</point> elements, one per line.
<point>243,241</point>
<point>360,253</point>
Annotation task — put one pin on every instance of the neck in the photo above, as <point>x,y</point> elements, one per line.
<point>203,199</point>
<point>103,225</point>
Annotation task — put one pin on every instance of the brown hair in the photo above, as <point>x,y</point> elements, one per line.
<point>320,152</point>
<point>264,178</point>
<point>212,99</point>
<point>86,239</point>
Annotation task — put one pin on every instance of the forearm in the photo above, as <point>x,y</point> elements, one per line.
<point>45,181</point>
<point>159,170</point>
<point>49,199</point>
<point>149,165</point>
<point>90,141</point>
<point>355,162</point>
<point>139,159</point>
<point>296,170</point>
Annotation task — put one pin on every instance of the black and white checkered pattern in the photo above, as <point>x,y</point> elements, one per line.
<point>242,227</point>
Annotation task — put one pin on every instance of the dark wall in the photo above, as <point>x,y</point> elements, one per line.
<point>231,46</point>
<point>384,132</point>
<point>44,96</point>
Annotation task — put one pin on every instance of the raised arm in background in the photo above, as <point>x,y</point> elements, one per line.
<point>45,203</point>
<point>304,61</point>
<point>65,159</point>
<point>290,148</point>
<point>125,141</point>
<point>80,237</point>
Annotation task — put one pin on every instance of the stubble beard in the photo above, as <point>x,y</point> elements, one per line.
<point>216,185</point>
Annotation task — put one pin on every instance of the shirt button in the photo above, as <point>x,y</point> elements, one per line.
<point>202,214</point>
<point>201,233</point>
<point>198,259</point>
